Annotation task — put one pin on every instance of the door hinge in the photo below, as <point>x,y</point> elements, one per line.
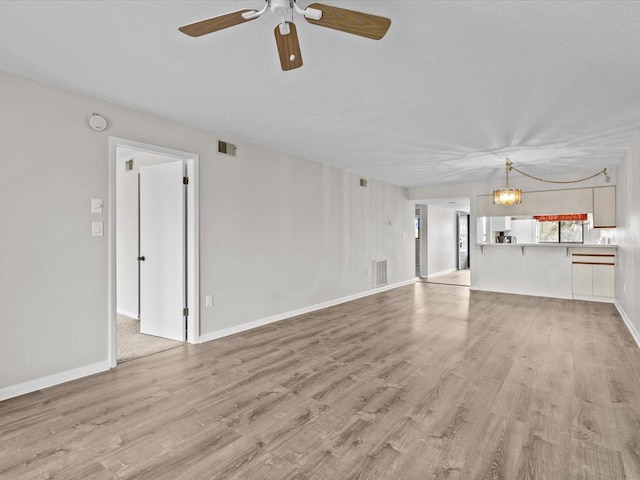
<point>185,312</point>
<point>185,180</point>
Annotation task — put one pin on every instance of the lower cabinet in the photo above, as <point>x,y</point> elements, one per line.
<point>604,281</point>
<point>593,281</point>
<point>582,279</point>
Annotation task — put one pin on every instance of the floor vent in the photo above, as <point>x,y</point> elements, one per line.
<point>379,273</point>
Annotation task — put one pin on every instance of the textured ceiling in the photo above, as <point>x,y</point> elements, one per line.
<point>451,90</point>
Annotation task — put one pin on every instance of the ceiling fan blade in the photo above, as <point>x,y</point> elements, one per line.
<point>288,47</point>
<point>216,23</point>
<point>350,21</point>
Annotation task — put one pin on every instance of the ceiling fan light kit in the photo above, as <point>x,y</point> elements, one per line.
<point>348,21</point>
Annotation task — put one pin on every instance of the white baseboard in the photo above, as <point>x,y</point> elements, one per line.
<point>128,314</point>
<point>51,380</point>
<point>294,313</point>
<point>444,272</point>
<point>589,298</point>
<point>627,321</point>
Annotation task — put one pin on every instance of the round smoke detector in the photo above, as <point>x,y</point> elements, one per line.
<point>97,122</point>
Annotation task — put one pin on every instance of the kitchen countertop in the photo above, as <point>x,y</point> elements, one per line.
<point>548,245</point>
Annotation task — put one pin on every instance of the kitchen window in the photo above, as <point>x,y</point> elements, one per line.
<point>564,231</point>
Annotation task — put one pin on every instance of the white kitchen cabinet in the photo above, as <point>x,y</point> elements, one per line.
<point>604,207</point>
<point>500,224</point>
<point>582,279</point>
<point>603,281</point>
<point>594,277</point>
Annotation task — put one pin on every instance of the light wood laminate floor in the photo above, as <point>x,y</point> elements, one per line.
<point>422,382</point>
<point>459,277</point>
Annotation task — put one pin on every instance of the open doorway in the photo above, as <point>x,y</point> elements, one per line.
<point>442,241</point>
<point>153,264</point>
<point>463,241</point>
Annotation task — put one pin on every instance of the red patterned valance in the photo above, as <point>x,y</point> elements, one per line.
<point>561,218</point>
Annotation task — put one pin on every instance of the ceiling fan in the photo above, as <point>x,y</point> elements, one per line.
<point>349,21</point>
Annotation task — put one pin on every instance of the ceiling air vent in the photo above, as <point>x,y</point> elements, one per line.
<point>226,148</point>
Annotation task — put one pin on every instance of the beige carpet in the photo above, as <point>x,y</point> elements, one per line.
<point>133,344</point>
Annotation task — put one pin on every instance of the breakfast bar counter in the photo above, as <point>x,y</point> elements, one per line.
<point>559,270</point>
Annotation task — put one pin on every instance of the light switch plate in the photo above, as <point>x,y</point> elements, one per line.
<point>96,229</point>
<point>96,205</point>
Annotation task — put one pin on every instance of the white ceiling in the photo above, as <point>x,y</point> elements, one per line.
<point>451,90</point>
<point>461,204</point>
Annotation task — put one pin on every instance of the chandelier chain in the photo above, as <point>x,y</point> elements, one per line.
<point>601,172</point>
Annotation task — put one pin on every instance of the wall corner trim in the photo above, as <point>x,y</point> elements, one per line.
<point>207,337</point>
<point>627,321</point>
<point>52,380</point>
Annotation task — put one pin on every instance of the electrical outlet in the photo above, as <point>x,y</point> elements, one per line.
<point>97,229</point>
<point>208,301</point>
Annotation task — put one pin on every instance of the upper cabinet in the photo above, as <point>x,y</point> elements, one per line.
<point>500,224</point>
<point>604,207</point>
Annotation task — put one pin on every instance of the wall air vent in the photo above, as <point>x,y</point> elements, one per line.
<point>379,273</point>
<point>226,148</point>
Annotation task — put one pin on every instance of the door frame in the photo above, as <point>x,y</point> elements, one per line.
<point>192,161</point>
<point>467,216</point>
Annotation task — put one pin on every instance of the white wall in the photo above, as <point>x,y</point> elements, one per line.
<point>277,233</point>
<point>442,240</point>
<point>287,233</point>
<point>628,238</point>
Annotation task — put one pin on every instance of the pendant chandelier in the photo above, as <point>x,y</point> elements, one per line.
<point>507,196</point>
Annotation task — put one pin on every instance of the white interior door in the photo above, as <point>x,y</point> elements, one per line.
<point>162,250</point>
